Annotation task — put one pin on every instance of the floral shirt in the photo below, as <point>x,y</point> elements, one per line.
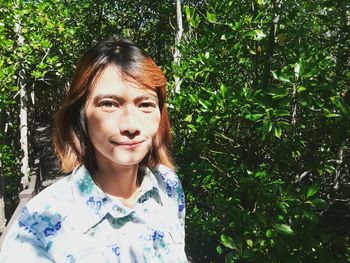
<point>73,220</point>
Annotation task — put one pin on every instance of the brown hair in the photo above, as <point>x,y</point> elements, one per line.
<point>70,137</point>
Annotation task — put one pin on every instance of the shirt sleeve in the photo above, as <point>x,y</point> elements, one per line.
<point>171,184</point>
<point>22,244</point>
<point>179,198</point>
<point>181,206</point>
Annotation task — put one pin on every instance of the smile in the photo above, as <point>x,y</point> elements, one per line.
<point>129,145</point>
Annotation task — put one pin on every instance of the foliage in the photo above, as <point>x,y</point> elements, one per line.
<point>11,177</point>
<point>262,131</point>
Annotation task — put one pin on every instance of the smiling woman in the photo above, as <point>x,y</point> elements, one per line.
<point>122,119</point>
<point>122,201</point>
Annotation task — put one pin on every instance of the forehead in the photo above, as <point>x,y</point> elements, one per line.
<point>113,81</point>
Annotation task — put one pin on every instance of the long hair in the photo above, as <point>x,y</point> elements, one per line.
<point>70,136</point>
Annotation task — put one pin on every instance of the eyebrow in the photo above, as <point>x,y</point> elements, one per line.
<point>121,99</point>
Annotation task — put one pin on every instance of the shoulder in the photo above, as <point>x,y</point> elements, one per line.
<point>57,193</point>
<point>167,179</point>
<point>44,213</point>
<point>164,172</point>
<point>170,183</point>
<point>41,218</point>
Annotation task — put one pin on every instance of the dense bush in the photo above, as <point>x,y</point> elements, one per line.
<point>262,130</point>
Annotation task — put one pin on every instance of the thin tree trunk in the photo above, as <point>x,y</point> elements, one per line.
<point>177,53</point>
<point>255,57</point>
<point>23,116</point>
<point>340,162</point>
<point>294,106</point>
<point>343,33</point>
<point>270,47</point>
<point>2,179</point>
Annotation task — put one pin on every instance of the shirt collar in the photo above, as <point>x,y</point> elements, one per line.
<point>93,204</point>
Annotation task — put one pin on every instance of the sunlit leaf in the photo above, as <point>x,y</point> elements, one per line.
<point>278,131</point>
<point>267,126</point>
<point>227,241</point>
<point>188,118</point>
<point>254,117</point>
<point>211,17</point>
<point>332,115</point>
<point>312,190</point>
<point>284,229</point>
<point>256,34</point>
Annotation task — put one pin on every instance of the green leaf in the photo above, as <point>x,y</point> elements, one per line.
<point>192,127</point>
<point>301,88</point>
<point>282,78</point>
<point>227,241</point>
<point>274,74</point>
<point>332,115</point>
<point>235,26</point>
<point>256,34</point>
<point>204,103</point>
<point>278,131</point>
<point>285,125</point>
<point>260,174</point>
<point>219,250</point>
<point>260,2</point>
<point>211,17</point>
<point>188,118</point>
<point>254,117</point>
<point>313,189</point>
<point>192,18</point>
<point>249,243</point>
<point>267,126</point>
<point>223,90</point>
<point>284,229</point>
<point>318,203</point>
<point>269,233</point>
<point>189,12</point>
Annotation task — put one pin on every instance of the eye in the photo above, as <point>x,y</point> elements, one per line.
<point>108,104</point>
<point>147,105</point>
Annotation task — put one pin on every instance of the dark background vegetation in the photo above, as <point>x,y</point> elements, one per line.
<point>261,123</point>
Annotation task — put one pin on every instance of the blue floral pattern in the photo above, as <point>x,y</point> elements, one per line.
<point>74,221</point>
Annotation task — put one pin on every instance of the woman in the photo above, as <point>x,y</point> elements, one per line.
<point>122,201</point>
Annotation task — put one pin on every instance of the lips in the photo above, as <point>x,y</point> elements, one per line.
<point>128,144</point>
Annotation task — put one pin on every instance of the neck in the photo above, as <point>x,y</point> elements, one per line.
<point>118,181</point>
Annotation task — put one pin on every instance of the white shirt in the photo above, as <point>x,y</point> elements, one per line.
<point>73,220</point>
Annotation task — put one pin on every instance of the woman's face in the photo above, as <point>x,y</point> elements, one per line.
<point>122,119</point>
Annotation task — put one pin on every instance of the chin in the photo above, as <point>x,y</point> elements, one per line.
<point>128,162</point>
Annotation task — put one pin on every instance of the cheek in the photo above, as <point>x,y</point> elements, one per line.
<point>97,127</point>
<point>150,124</point>
<point>155,124</point>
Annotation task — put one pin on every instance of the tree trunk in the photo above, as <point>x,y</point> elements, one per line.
<point>2,179</point>
<point>270,47</point>
<point>2,212</point>
<point>23,116</point>
<point>177,53</point>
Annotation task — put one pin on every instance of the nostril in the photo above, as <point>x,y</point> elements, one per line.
<point>131,134</point>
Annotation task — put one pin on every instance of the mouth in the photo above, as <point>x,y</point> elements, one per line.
<point>128,144</point>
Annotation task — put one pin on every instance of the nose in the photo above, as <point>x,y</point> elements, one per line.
<point>130,124</point>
